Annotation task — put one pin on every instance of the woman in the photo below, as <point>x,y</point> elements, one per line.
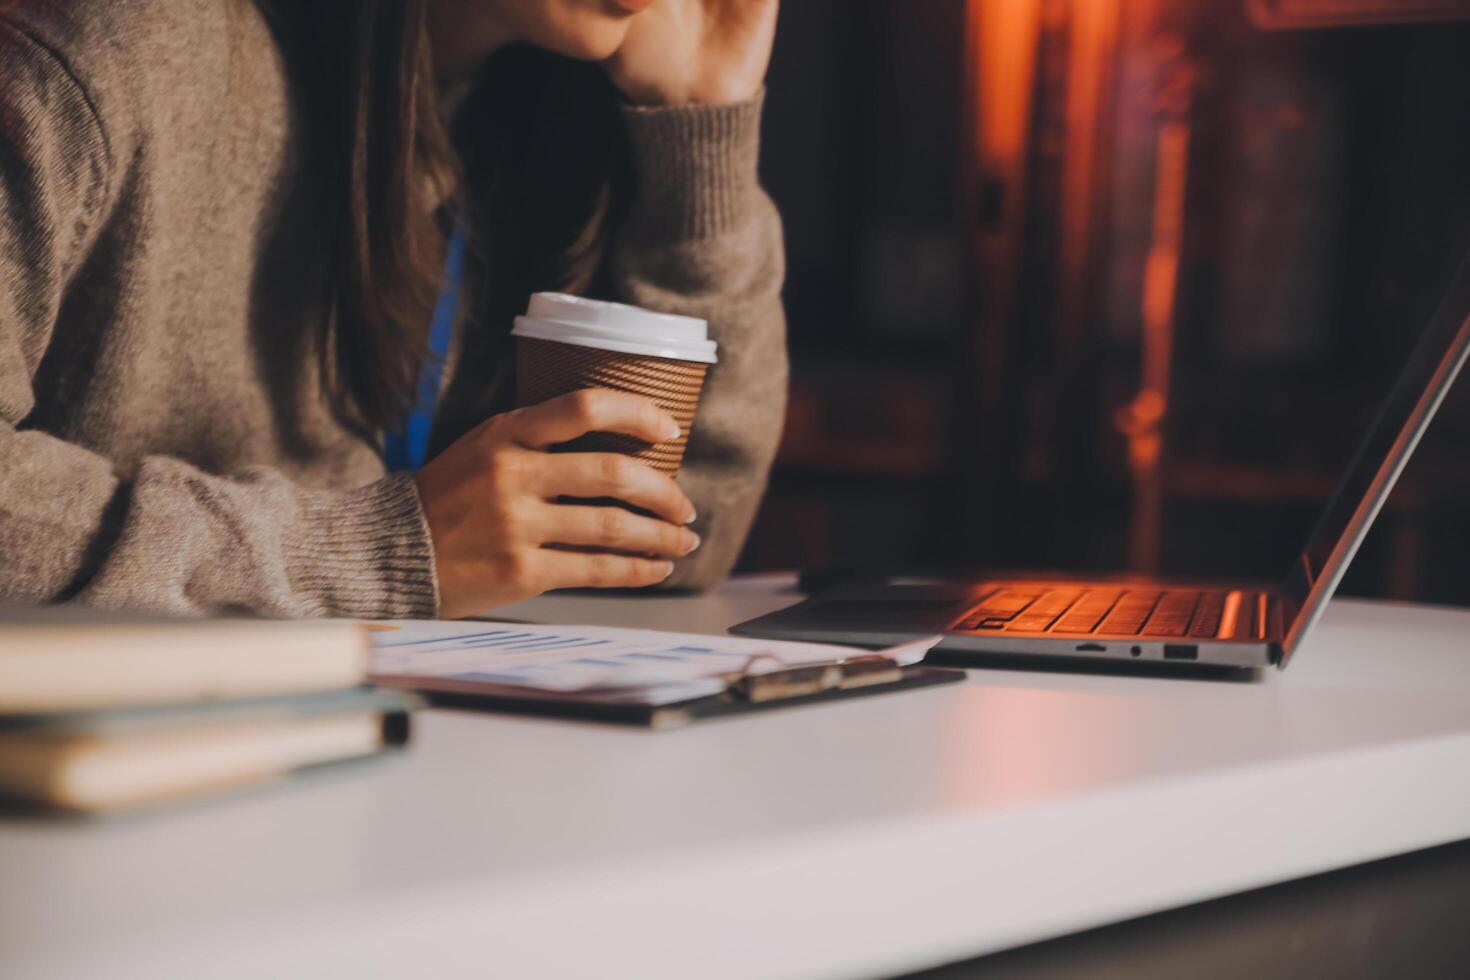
<point>223,226</point>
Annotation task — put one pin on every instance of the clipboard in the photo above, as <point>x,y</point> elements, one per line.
<point>634,676</point>
<point>770,691</point>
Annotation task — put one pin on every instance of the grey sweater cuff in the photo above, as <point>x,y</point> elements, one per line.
<point>694,168</point>
<point>365,553</point>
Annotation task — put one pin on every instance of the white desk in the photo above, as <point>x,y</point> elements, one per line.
<point>850,839</point>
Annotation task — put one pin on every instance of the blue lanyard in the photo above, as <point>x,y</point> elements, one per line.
<point>406,449</point>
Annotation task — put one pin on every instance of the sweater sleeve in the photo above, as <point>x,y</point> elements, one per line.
<point>163,536</point>
<point>703,239</point>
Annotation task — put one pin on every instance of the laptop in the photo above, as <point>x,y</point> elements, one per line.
<point>1154,620</point>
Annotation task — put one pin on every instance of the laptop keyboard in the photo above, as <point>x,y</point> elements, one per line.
<point>1156,613</point>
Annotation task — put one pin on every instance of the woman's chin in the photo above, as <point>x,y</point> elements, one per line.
<point>591,42</point>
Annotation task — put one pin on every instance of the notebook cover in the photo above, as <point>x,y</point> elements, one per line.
<point>395,721</point>
<point>53,663</point>
<point>120,722</point>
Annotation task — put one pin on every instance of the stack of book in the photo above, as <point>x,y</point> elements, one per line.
<point>105,715</point>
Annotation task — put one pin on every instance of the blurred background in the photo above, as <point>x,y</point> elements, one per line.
<point>1113,284</point>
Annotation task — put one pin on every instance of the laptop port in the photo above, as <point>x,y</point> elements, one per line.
<point>1181,651</point>
<point>1091,648</point>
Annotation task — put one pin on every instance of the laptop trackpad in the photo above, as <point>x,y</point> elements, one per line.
<point>867,614</point>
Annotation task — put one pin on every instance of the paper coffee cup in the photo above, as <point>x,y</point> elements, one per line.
<point>567,343</point>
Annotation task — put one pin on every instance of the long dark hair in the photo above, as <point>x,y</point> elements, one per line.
<point>537,141</point>
<point>547,178</point>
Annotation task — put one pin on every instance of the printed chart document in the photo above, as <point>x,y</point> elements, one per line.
<point>644,667</point>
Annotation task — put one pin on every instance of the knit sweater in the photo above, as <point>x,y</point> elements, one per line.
<point>164,443</point>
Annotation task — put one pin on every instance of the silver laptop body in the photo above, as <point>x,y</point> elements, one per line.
<point>1152,620</point>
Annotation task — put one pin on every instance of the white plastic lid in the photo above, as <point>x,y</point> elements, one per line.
<point>616,327</point>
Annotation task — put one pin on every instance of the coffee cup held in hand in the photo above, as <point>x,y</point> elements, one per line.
<point>567,343</point>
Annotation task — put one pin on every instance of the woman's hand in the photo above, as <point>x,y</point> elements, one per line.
<point>491,501</point>
<point>681,52</point>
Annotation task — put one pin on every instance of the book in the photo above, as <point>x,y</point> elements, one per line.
<point>53,663</point>
<point>128,758</point>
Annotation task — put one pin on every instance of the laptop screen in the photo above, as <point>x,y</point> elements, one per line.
<point>1415,397</point>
